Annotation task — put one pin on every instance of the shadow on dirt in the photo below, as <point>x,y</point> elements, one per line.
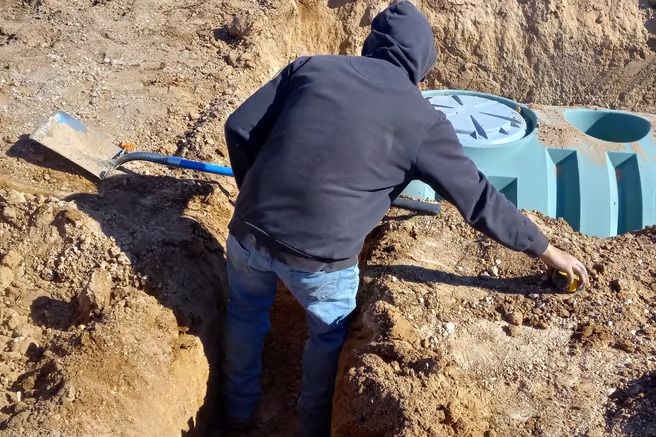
<point>185,265</point>
<point>223,34</point>
<point>522,285</point>
<point>632,410</point>
<point>52,313</point>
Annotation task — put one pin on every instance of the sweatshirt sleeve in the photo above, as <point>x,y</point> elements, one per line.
<point>248,127</point>
<point>442,164</point>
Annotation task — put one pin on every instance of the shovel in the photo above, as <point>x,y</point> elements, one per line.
<point>99,155</point>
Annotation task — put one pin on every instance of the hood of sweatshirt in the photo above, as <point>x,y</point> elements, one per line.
<point>402,35</point>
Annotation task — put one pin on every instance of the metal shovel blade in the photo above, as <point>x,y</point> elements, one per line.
<point>70,138</point>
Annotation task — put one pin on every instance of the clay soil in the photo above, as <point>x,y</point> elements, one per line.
<point>111,293</point>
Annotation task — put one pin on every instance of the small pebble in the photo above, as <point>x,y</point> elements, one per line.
<point>6,277</point>
<point>11,259</point>
<point>9,213</point>
<point>516,318</point>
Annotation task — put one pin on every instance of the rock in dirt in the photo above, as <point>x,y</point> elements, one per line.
<point>11,259</point>
<point>23,344</point>
<point>515,318</point>
<point>240,26</point>
<point>14,320</point>
<point>9,213</point>
<point>24,330</point>
<point>15,197</point>
<point>453,412</point>
<point>72,215</point>
<point>232,59</point>
<point>6,277</point>
<point>95,297</point>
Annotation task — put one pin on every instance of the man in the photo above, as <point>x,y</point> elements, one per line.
<point>319,153</point>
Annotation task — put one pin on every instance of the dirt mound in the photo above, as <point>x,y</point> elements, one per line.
<point>67,363</point>
<point>460,336</point>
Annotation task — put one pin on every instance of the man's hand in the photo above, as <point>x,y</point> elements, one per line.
<point>563,261</point>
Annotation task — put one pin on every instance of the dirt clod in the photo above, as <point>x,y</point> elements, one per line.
<point>9,213</point>
<point>6,277</point>
<point>240,26</point>
<point>11,259</point>
<point>515,318</point>
<point>95,296</point>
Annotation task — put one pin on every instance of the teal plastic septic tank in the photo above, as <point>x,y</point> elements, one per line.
<point>612,161</point>
<point>499,135</point>
<point>600,175</point>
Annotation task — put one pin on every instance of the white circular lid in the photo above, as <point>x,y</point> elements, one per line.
<point>479,121</point>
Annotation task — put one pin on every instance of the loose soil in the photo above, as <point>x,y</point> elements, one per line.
<point>111,294</point>
<point>460,336</point>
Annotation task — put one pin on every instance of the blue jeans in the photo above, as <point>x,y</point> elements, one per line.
<point>328,299</point>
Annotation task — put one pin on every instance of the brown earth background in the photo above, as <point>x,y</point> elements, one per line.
<point>111,293</point>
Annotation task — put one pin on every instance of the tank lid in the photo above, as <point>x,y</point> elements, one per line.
<point>480,121</point>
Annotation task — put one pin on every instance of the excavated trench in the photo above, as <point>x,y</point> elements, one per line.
<point>496,47</point>
<point>172,232</point>
<point>510,54</point>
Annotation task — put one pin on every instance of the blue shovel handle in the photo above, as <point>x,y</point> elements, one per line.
<point>176,161</point>
<point>173,161</point>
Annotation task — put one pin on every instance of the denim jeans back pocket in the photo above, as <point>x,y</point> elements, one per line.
<point>237,254</point>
